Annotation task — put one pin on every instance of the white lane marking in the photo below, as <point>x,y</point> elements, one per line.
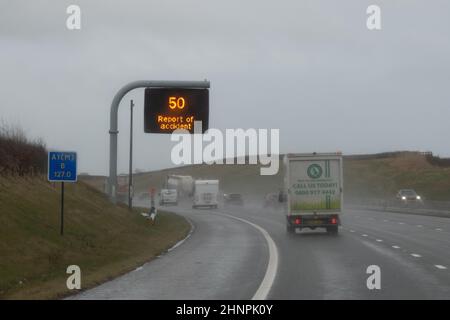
<point>401,223</point>
<point>385,220</point>
<point>379,240</point>
<point>415,255</point>
<point>440,266</point>
<point>139,269</point>
<point>272,266</point>
<point>419,226</point>
<point>438,229</point>
<point>364,235</point>
<point>352,230</point>
<point>179,243</point>
<point>396,247</point>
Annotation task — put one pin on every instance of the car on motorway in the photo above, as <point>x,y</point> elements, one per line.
<point>168,197</point>
<point>408,195</point>
<point>233,199</point>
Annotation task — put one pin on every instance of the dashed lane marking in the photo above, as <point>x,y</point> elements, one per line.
<point>415,255</point>
<point>440,266</point>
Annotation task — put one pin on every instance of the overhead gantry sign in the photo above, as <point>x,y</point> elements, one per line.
<point>166,110</point>
<point>169,105</point>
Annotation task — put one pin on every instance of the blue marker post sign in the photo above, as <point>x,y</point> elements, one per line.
<point>62,167</point>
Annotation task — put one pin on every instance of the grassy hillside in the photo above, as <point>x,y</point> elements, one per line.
<point>372,177</point>
<point>384,177</point>
<point>103,239</point>
<point>233,178</point>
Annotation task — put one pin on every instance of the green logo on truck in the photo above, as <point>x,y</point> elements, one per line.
<point>314,171</point>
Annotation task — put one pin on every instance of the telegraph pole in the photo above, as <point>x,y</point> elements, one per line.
<point>130,176</point>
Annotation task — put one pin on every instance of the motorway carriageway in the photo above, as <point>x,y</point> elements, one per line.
<point>245,253</point>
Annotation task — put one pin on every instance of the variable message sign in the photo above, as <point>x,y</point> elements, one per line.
<point>167,109</point>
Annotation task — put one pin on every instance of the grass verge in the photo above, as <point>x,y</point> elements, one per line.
<point>102,239</point>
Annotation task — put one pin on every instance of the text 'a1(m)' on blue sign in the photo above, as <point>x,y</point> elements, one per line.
<point>62,166</point>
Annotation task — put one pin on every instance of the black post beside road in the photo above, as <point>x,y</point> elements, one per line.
<point>62,208</point>
<point>130,176</point>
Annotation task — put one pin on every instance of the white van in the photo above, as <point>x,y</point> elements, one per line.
<point>206,193</point>
<point>314,185</point>
<point>168,196</point>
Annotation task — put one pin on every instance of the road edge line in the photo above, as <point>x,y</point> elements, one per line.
<point>179,243</point>
<point>272,266</point>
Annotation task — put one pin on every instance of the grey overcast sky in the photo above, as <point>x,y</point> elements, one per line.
<point>308,67</point>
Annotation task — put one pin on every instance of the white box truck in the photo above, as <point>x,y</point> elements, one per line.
<point>206,193</point>
<point>314,189</point>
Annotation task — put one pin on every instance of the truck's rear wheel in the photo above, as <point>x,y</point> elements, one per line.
<point>333,230</point>
<point>290,229</point>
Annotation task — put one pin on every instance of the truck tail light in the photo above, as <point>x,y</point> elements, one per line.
<point>297,221</point>
<point>333,220</point>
